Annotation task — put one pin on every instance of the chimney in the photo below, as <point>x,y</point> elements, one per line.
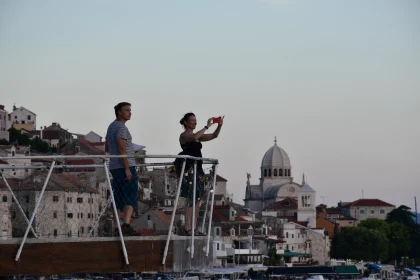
<point>54,123</point>
<point>1,107</point>
<point>40,133</point>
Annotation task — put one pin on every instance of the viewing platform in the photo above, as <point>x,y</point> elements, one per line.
<point>58,217</point>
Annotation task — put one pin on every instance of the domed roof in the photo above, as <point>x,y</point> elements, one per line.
<point>276,157</point>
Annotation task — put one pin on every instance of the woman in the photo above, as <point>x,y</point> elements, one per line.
<point>191,145</point>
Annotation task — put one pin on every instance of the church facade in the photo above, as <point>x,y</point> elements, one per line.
<point>276,184</point>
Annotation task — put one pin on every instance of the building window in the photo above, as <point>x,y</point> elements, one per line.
<point>13,153</point>
<point>382,211</point>
<point>55,233</point>
<point>4,198</point>
<point>265,172</point>
<point>70,215</point>
<point>217,231</point>
<point>275,172</point>
<point>372,212</point>
<point>82,229</point>
<point>55,215</point>
<point>88,215</point>
<point>81,216</point>
<point>218,246</point>
<point>80,200</point>
<point>287,235</point>
<point>69,234</point>
<point>55,198</point>
<point>29,117</point>
<point>280,172</point>
<point>232,232</point>
<point>250,231</point>
<point>362,212</point>
<point>293,236</point>
<point>269,172</point>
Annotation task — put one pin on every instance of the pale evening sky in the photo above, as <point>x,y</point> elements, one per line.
<point>338,82</point>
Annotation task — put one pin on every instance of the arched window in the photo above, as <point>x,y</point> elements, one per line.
<point>269,172</point>
<point>4,198</point>
<point>275,172</point>
<point>265,172</point>
<point>280,172</point>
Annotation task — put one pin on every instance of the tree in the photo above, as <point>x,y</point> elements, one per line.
<point>399,240</point>
<point>15,136</point>
<point>39,146</point>
<point>404,216</point>
<point>362,243</point>
<point>376,224</point>
<point>4,142</point>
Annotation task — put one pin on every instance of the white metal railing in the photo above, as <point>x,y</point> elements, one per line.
<point>55,163</point>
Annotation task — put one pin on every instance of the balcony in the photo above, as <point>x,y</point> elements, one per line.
<point>67,218</point>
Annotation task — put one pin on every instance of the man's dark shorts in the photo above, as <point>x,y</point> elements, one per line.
<point>125,192</point>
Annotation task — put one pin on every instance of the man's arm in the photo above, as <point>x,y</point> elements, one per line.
<point>122,151</point>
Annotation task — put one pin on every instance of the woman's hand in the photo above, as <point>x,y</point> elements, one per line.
<point>209,122</point>
<point>221,120</point>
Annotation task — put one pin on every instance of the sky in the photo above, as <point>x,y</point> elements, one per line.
<point>337,82</point>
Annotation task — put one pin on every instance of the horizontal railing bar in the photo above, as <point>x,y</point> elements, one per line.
<point>82,165</point>
<point>55,157</point>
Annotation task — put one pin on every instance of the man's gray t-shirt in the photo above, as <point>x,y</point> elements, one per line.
<point>118,130</point>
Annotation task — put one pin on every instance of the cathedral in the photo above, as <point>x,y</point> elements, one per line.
<point>276,184</point>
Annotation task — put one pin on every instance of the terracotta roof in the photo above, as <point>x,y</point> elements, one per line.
<point>13,183</point>
<point>57,182</point>
<point>3,162</point>
<point>332,211</point>
<point>241,219</point>
<point>162,216</point>
<point>369,202</point>
<point>217,217</point>
<point>294,220</point>
<point>287,203</point>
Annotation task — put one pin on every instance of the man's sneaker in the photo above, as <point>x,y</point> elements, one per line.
<point>127,230</point>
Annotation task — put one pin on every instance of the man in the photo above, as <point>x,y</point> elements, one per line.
<point>124,175</point>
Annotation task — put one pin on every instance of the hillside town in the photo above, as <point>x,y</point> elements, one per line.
<point>280,222</point>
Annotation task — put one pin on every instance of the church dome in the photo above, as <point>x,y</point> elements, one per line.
<point>276,157</point>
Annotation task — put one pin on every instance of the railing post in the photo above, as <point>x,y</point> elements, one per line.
<point>178,191</point>
<point>117,218</point>
<point>203,224</point>
<point>193,212</point>
<point>20,207</point>
<point>34,213</point>
<point>211,210</point>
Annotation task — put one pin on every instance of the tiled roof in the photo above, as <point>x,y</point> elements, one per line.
<point>162,216</point>
<point>287,203</point>
<point>332,211</point>
<point>241,219</point>
<point>369,202</point>
<point>13,183</point>
<point>217,217</point>
<point>294,220</point>
<point>57,182</point>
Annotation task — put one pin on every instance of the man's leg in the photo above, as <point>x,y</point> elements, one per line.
<point>128,212</point>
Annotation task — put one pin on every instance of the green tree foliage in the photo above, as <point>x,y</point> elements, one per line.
<point>362,243</point>
<point>404,216</point>
<point>4,142</point>
<point>37,144</point>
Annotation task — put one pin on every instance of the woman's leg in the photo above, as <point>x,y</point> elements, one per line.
<point>188,217</point>
<point>197,212</point>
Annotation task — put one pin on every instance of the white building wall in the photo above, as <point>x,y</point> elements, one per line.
<point>22,115</point>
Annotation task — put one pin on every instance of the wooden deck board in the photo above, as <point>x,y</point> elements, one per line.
<point>84,257</point>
